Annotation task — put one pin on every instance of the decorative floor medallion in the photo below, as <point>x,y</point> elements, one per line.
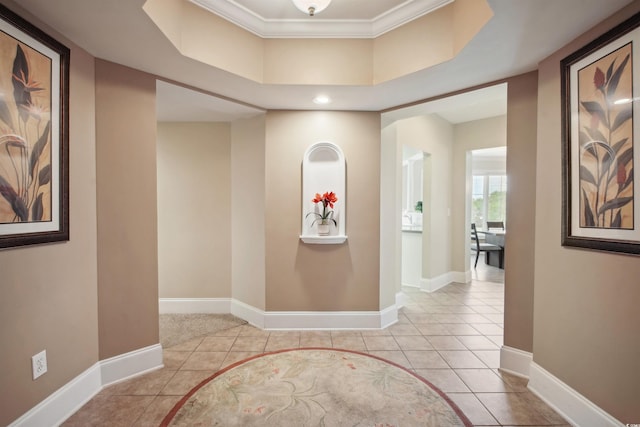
<point>315,387</point>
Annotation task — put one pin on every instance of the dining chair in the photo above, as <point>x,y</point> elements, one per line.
<point>484,247</point>
<point>492,225</point>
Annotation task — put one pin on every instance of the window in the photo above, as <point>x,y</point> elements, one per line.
<point>488,196</point>
<point>412,178</point>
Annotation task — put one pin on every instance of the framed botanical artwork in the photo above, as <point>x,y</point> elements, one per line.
<point>34,160</point>
<point>601,142</point>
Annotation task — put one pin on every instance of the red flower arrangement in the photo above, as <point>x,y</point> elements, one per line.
<point>327,200</point>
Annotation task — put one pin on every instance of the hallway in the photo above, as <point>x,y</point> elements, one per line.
<point>451,337</point>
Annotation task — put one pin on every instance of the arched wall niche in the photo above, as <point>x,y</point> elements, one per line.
<point>323,170</point>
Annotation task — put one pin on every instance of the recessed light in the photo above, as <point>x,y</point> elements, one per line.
<point>321,99</point>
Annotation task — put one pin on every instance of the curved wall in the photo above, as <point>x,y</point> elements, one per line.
<point>586,323</point>
<point>308,277</point>
<point>49,293</point>
<point>127,209</point>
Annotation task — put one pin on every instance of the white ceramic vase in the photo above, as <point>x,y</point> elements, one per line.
<point>323,229</point>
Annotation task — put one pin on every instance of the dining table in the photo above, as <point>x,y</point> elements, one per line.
<point>495,237</point>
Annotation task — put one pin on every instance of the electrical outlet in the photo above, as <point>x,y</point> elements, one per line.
<point>39,364</point>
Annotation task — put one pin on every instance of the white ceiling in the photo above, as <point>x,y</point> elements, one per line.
<point>520,34</point>
<point>465,107</point>
<point>342,18</point>
<point>179,104</point>
<point>495,152</point>
<point>352,10</point>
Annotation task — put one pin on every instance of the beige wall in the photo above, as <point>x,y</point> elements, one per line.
<point>586,323</point>
<point>429,40</point>
<point>306,277</point>
<point>313,61</point>
<point>203,36</point>
<point>419,44</point>
<point>96,295</point>
<point>448,187</point>
<point>248,211</point>
<point>517,131</point>
<point>390,216</point>
<point>194,210</point>
<point>469,16</point>
<point>127,209</point>
<point>434,136</point>
<point>521,210</point>
<point>49,292</point>
<point>474,135</point>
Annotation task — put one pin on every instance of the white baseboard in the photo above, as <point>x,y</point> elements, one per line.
<point>247,312</point>
<point>461,276</point>
<point>292,320</point>
<point>514,361</point>
<point>432,285</point>
<point>194,305</point>
<point>574,407</point>
<point>389,316</point>
<point>134,363</point>
<point>401,299</point>
<point>285,320</point>
<point>300,320</point>
<point>65,401</point>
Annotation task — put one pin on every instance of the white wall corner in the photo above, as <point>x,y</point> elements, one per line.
<point>401,300</point>
<point>461,276</point>
<point>389,316</point>
<point>194,305</point>
<point>515,361</point>
<point>134,363</point>
<point>254,316</point>
<point>571,405</point>
<point>432,285</point>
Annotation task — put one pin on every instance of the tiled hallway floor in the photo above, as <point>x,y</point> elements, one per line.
<point>451,337</point>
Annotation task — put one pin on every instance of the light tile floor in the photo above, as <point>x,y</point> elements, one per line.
<point>451,337</point>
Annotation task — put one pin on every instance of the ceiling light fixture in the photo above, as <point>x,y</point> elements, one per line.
<point>311,6</point>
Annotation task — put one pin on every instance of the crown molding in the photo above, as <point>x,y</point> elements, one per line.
<point>320,28</point>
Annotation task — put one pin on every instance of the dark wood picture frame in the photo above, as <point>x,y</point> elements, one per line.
<point>601,142</point>
<point>34,138</point>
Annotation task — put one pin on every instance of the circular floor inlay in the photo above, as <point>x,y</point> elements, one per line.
<point>315,387</point>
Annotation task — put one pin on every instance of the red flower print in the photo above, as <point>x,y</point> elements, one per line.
<point>622,174</point>
<point>598,78</point>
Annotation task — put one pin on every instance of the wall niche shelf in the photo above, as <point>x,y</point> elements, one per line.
<point>324,240</point>
<point>323,170</point>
